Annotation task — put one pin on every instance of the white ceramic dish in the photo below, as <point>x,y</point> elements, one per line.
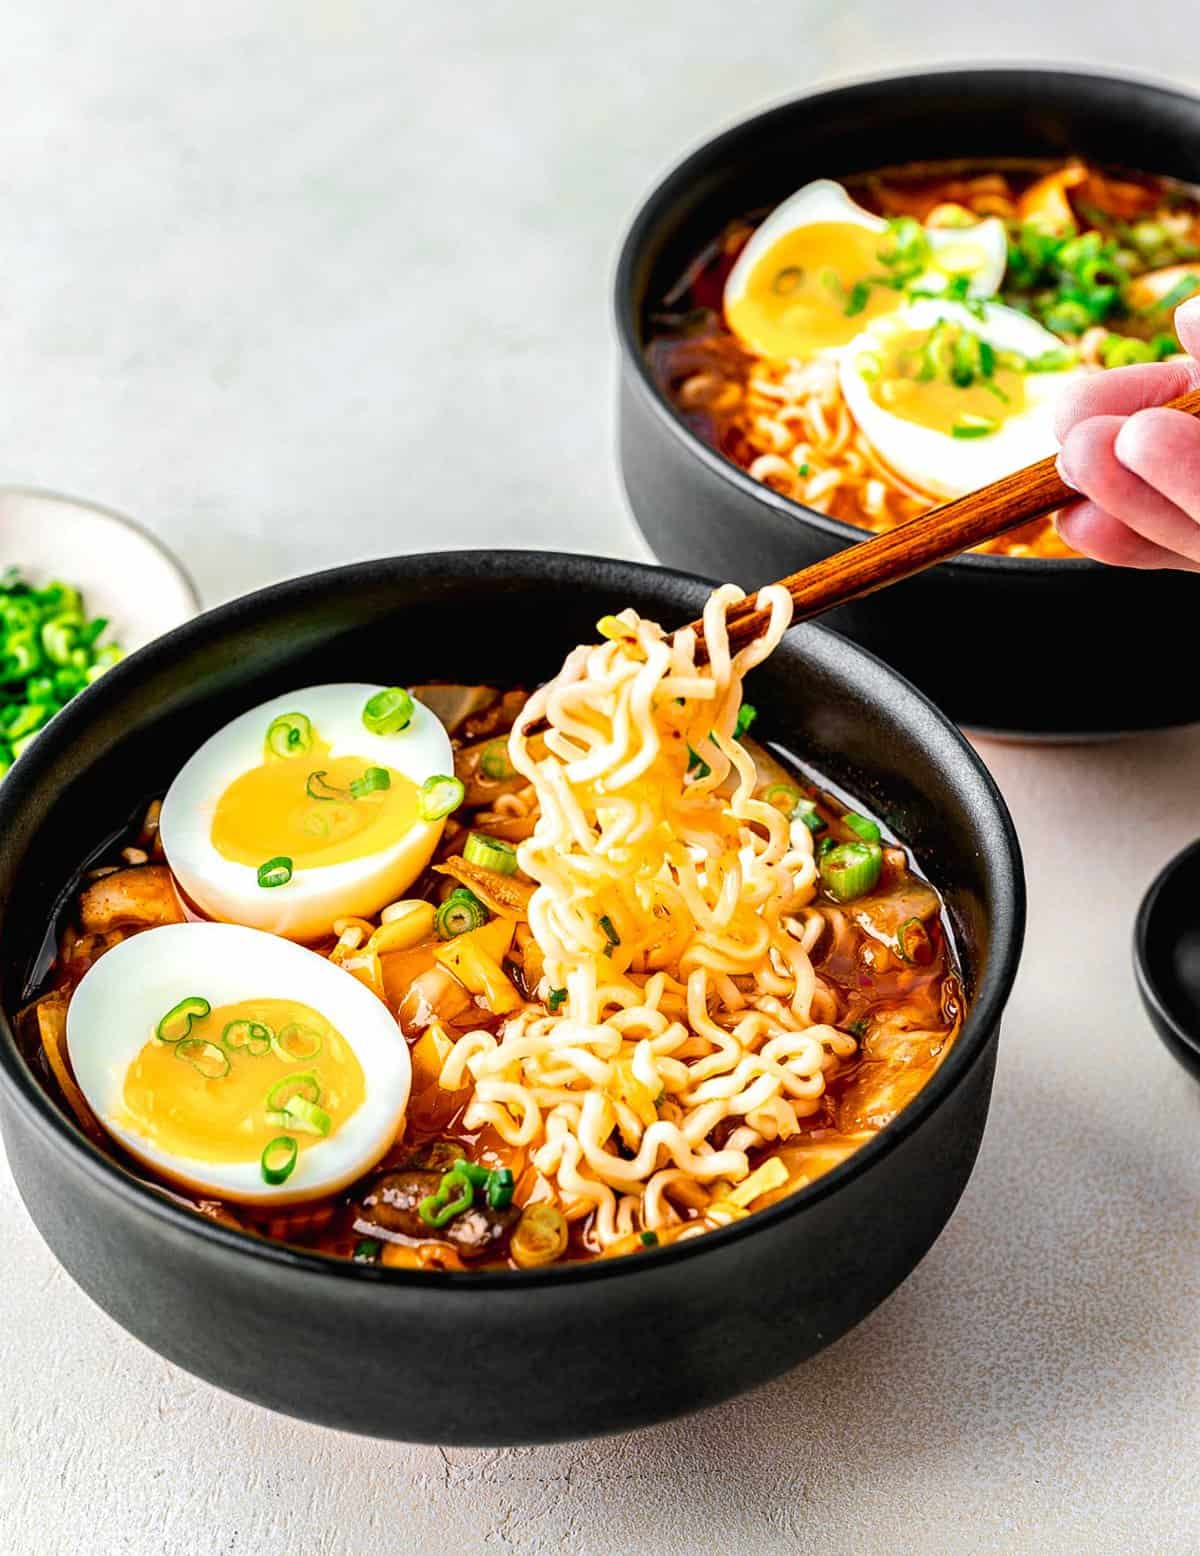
<point>124,573</point>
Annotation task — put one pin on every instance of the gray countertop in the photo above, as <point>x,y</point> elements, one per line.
<point>297,283</point>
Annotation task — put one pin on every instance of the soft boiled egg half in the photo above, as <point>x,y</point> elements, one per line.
<point>820,267</point>
<point>238,1064</point>
<point>323,804</point>
<point>952,398</point>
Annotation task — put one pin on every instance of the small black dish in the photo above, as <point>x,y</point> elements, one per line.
<point>498,1356</point>
<point>1008,645</point>
<point>1166,956</point>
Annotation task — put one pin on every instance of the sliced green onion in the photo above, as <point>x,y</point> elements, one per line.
<point>367,1250</point>
<point>746,716</point>
<point>276,872</point>
<point>388,711</point>
<point>459,914</point>
<point>289,734</point>
<point>297,1043</point>
<point>455,1194</point>
<point>971,426</point>
<point>317,788</point>
<point>305,1085</point>
<point>210,1060</point>
<point>252,1037</point>
<point>555,999</point>
<point>494,762</point>
<point>438,796</point>
<point>300,1113</point>
<point>177,1022</point>
<point>850,870</point>
<point>784,796</point>
<point>807,812</point>
<point>490,853</point>
<point>475,1171</point>
<point>499,1188</point>
<point>914,943</point>
<point>372,779</point>
<point>696,764</point>
<point>649,1239</point>
<point>610,933</point>
<point>278,1159</point>
<point>867,829</point>
<point>824,845</point>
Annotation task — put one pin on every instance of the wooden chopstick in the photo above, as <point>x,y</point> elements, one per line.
<point>943,532</point>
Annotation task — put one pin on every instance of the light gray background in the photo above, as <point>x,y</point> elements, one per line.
<point>299,282</point>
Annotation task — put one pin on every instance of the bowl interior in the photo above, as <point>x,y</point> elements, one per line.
<point>1167,949</point>
<point>505,618</point>
<point>961,115</point>
<point>124,573</point>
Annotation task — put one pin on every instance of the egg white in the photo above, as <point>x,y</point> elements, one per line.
<point>936,462</point>
<point>826,201</point>
<point>306,907</point>
<point>124,995</point>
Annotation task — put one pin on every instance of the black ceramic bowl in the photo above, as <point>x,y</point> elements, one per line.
<point>1166,956</point>
<point>1036,648</point>
<point>523,1356</point>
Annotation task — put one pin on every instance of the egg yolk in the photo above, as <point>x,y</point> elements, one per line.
<point>304,807</point>
<point>801,297</point>
<point>945,379</point>
<point>215,1099</point>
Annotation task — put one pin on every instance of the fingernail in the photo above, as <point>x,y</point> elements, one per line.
<point>1064,474</point>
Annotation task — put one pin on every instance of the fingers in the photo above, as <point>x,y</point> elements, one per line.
<point>1095,533</point>
<point>1123,390</point>
<point>1091,462</point>
<point>1163,448</point>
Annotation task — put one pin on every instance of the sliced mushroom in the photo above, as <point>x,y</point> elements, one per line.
<point>140,897</point>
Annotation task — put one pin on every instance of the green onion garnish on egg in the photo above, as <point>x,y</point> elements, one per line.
<point>388,711</point>
<point>289,734</point>
<point>250,1037</point>
<point>296,1043</point>
<point>438,796</point>
<point>317,788</point>
<point>372,779</point>
<point>300,1113</point>
<point>177,1022</point>
<point>969,426</point>
<point>278,1159</point>
<point>304,1085</point>
<point>490,853</point>
<point>276,872</point>
<point>210,1060</point>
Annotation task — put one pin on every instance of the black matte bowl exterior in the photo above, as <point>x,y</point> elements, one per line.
<point>521,1356</point>
<point>1038,648</point>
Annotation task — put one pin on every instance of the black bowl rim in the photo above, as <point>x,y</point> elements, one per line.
<point>684,172</point>
<point>999,839</point>
<point>1143,930</point>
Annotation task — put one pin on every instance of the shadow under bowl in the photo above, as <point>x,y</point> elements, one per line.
<point>498,1356</point>
<point>1013,646</point>
<point>1166,956</point>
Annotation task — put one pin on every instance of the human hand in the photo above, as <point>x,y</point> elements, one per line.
<point>1136,464</point>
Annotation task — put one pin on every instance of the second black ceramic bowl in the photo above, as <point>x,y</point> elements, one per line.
<point>1020,647</point>
<point>499,1357</point>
